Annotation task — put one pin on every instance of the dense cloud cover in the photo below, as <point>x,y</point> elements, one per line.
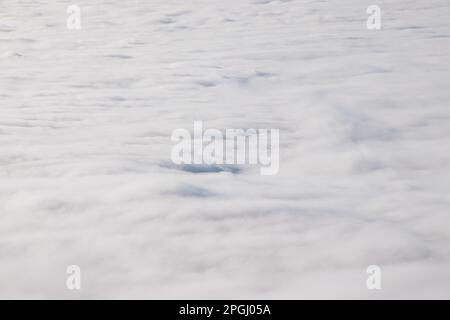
<point>86,176</point>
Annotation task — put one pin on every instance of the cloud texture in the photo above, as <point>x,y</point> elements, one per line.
<point>85,172</point>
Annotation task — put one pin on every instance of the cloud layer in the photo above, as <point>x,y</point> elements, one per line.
<point>85,124</point>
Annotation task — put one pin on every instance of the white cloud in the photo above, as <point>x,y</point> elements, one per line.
<point>85,175</point>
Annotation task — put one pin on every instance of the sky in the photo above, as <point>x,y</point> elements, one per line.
<point>86,176</point>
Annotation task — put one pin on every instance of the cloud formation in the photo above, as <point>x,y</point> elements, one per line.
<point>85,174</point>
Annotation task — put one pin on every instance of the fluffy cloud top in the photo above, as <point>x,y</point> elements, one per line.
<point>85,124</point>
